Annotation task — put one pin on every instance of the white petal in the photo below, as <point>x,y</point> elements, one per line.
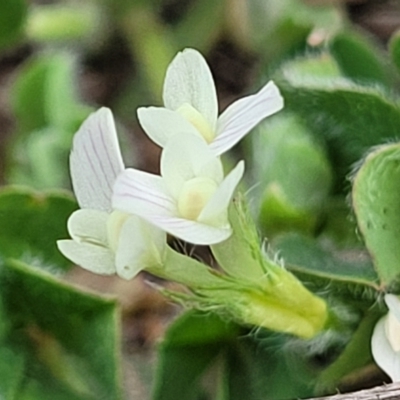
<point>190,231</point>
<point>393,303</point>
<point>186,157</point>
<point>216,210</point>
<point>243,115</point>
<point>141,245</point>
<point>95,161</point>
<point>161,124</point>
<point>89,226</point>
<point>189,80</point>
<point>140,193</point>
<point>383,353</point>
<point>97,259</point>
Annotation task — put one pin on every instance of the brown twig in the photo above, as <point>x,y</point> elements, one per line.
<point>386,392</point>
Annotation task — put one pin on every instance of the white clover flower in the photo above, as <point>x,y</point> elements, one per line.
<point>191,105</point>
<point>191,197</point>
<point>104,240</point>
<point>385,343</point>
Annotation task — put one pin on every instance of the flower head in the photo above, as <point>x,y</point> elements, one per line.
<point>385,342</point>
<point>191,197</point>
<point>191,106</point>
<point>105,240</point>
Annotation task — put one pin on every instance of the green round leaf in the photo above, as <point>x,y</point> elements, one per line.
<point>376,202</point>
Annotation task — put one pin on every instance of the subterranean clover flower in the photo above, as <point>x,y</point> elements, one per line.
<point>191,105</point>
<point>385,342</point>
<point>191,197</point>
<point>104,240</point>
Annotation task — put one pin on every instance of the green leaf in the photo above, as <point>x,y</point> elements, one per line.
<point>349,118</point>
<point>256,367</point>
<point>359,58</point>
<point>28,95</point>
<point>31,223</point>
<point>67,339</point>
<point>394,49</point>
<point>12,17</point>
<point>356,355</point>
<point>203,16</point>
<point>190,346</point>
<point>294,174</point>
<point>375,198</point>
<point>11,372</point>
<point>309,259</point>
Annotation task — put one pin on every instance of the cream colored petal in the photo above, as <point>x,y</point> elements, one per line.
<point>97,259</point>
<point>95,161</point>
<point>161,124</point>
<point>243,115</point>
<point>89,226</point>
<point>190,231</point>
<point>186,157</point>
<point>216,211</point>
<point>189,80</point>
<point>141,246</point>
<point>140,193</point>
<point>384,356</point>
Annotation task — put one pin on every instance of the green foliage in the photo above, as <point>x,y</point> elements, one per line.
<point>307,255</point>
<point>31,223</point>
<point>375,201</point>
<point>48,114</point>
<point>12,18</point>
<point>347,117</point>
<point>394,48</point>
<point>66,351</point>
<point>359,58</point>
<point>230,362</point>
<point>356,355</point>
<point>294,174</point>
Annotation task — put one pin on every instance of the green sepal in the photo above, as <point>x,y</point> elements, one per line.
<point>240,255</point>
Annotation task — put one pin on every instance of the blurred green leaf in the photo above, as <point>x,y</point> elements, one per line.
<point>394,49</point>
<point>152,45</point>
<point>356,355</point>
<point>349,118</point>
<point>359,58</point>
<point>375,199</point>
<point>67,338</point>
<point>29,93</point>
<point>12,18</point>
<point>307,257</point>
<point>62,23</point>
<point>48,114</point>
<point>294,174</point>
<point>31,223</point>
<point>45,94</point>
<point>191,345</point>
<point>257,367</point>
<point>200,26</point>
<point>11,372</point>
